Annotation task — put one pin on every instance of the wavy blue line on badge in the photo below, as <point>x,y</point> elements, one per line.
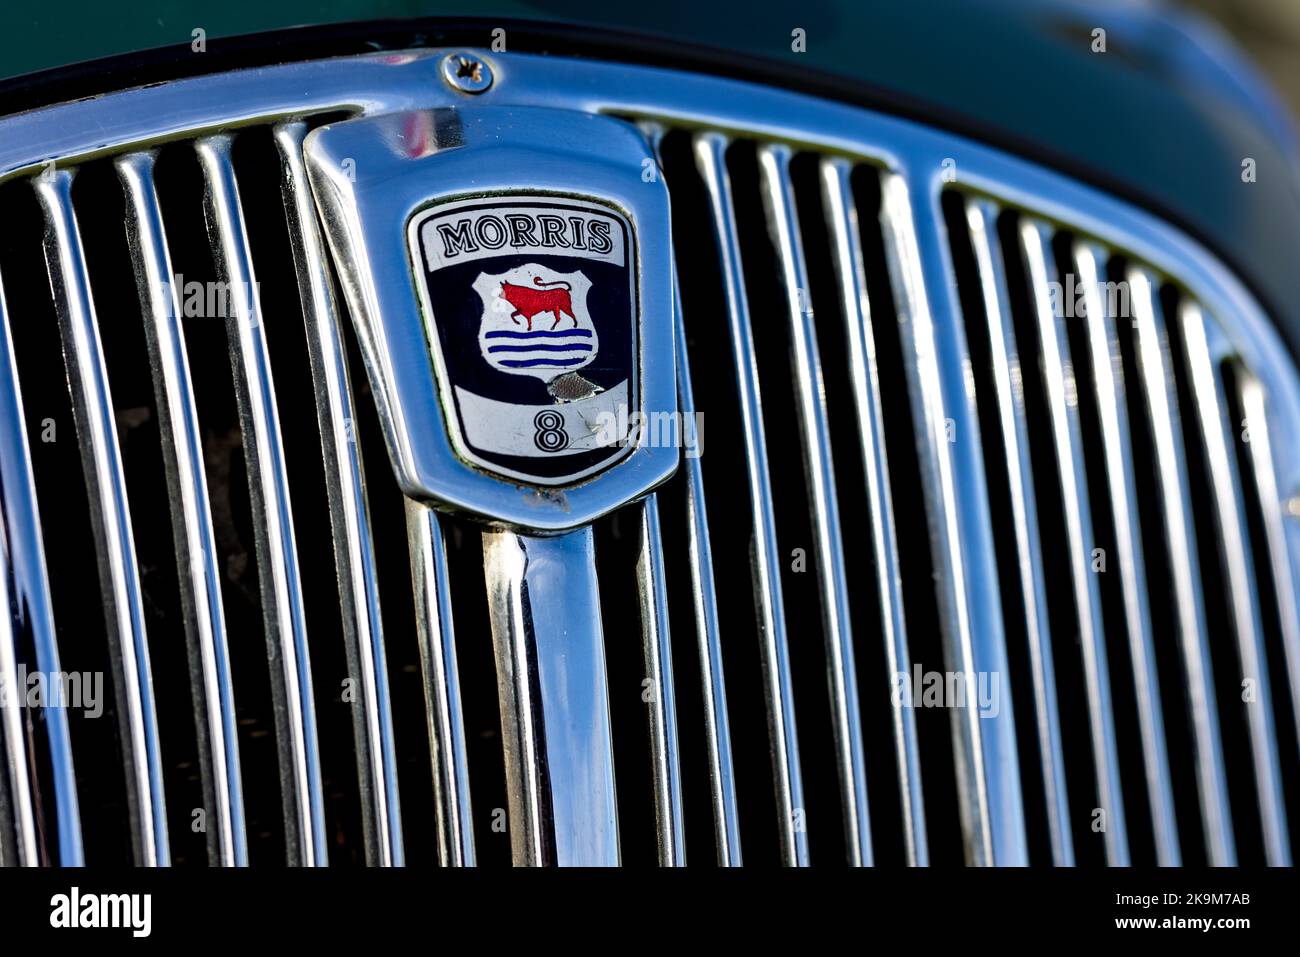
<point>529,363</point>
<point>543,333</point>
<point>574,347</point>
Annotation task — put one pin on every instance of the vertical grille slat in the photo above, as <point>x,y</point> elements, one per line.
<point>23,586</point>
<point>17,819</point>
<point>1230,520</point>
<point>281,588</point>
<point>1008,370</point>
<point>846,244</point>
<point>712,689</point>
<point>709,149</point>
<point>520,727</point>
<point>1067,443</point>
<point>436,630</point>
<point>1108,376</point>
<point>841,671</point>
<point>349,512</point>
<point>713,684</point>
<point>196,555</point>
<point>1161,408</point>
<point>110,516</point>
<point>956,496</point>
<point>657,651</point>
<point>26,580</point>
<point>544,605</point>
<point>1270,506</point>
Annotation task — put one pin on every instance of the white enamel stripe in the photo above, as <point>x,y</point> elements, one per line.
<point>110,517</point>
<point>281,588</point>
<point>196,550</point>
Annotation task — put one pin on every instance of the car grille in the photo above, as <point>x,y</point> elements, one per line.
<point>988,560</point>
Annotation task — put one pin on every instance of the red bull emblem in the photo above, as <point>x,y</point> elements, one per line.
<point>529,303</point>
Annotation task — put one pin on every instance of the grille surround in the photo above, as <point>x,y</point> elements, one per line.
<point>911,160</point>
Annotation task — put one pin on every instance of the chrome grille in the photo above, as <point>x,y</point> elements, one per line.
<point>961,446</point>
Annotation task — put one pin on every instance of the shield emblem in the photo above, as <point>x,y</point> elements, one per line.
<point>535,322</point>
<point>533,309</point>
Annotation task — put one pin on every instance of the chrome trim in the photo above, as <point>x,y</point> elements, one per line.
<point>110,516</point>
<point>15,787</point>
<point>1202,348</point>
<point>28,611</point>
<point>819,471</point>
<point>1155,366</point>
<point>268,484</point>
<point>388,82</point>
<point>371,176</point>
<point>710,149</point>
<point>713,683</point>
<point>544,603</point>
<point>1283,570</point>
<point>182,109</point>
<point>436,629</point>
<point>657,649</point>
<point>1008,383</point>
<point>952,472</point>
<point>842,223</point>
<point>1062,393</point>
<point>1117,446</point>
<point>196,550</point>
<point>354,551</point>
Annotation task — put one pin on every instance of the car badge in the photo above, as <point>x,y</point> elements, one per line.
<point>533,309</point>
<point>510,277</point>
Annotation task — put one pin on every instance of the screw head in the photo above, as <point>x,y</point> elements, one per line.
<point>466,72</point>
